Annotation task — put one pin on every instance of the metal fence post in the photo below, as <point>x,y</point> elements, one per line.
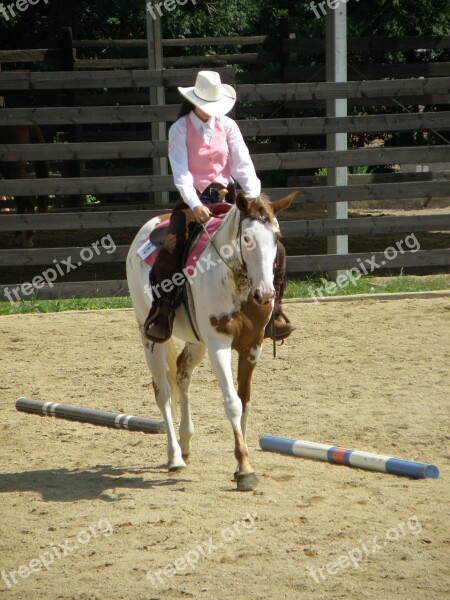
<point>336,69</point>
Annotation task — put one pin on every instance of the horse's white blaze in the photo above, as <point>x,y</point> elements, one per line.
<point>259,257</point>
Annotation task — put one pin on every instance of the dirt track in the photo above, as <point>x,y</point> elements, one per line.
<point>371,375</point>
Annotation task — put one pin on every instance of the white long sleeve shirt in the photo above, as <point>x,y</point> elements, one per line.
<point>241,165</point>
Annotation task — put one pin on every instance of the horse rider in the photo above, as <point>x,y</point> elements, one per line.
<point>207,153</point>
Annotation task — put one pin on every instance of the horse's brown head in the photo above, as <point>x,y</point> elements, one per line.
<point>261,207</point>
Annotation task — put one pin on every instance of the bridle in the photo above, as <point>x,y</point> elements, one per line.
<point>243,272</point>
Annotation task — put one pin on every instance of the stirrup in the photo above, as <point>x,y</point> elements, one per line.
<point>158,324</point>
<point>282,330</point>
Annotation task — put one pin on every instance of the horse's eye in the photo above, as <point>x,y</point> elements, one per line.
<point>246,239</point>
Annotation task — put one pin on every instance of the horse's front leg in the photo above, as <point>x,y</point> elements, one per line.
<point>156,361</point>
<point>191,356</point>
<point>220,355</point>
<point>246,366</point>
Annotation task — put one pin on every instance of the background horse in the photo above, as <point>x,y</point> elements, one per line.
<point>24,134</point>
<point>231,296</point>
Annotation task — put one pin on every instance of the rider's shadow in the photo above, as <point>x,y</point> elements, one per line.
<point>63,485</point>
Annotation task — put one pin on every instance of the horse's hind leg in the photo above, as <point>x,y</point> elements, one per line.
<point>156,361</point>
<point>191,356</point>
<point>221,363</point>
<point>25,204</point>
<point>28,241</point>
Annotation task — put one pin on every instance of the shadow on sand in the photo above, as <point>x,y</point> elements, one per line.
<point>63,485</point>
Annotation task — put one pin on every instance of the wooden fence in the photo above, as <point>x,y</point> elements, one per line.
<point>105,132</point>
<point>267,57</point>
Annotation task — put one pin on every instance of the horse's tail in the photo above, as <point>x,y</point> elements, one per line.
<point>171,358</point>
<point>41,166</point>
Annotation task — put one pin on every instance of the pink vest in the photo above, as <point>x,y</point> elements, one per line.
<point>208,162</point>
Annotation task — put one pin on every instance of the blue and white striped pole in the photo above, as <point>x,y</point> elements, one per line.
<point>346,456</point>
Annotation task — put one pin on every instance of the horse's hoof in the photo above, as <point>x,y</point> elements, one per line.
<point>246,482</point>
<point>173,470</point>
<point>177,468</point>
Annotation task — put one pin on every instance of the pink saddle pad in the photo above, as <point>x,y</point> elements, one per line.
<point>211,227</point>
<point>150,250</point>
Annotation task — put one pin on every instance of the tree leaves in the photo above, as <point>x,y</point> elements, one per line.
<point>38,26</point>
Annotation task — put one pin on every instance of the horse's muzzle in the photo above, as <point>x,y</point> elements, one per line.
<point>263,297</point>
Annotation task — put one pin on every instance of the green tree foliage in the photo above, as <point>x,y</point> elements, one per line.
<point>38,26</point>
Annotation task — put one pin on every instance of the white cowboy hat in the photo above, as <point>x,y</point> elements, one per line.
<point>210,94</point>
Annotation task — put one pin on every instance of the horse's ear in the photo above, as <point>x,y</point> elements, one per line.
<point>279,205</point>
<point>242,203</point>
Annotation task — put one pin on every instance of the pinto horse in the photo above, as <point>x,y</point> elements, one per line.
<point>231,303</point>
<point>26,134</point>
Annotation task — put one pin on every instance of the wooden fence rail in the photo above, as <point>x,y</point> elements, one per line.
<point>285,126</point>
<point>304,159</point>
<point>358,72</point>
<point>295,264</point>
<point>289,229</point>
<point>303,46</point>
<point>133,184</point>
<point>372,44</point>
<point>351,89</point>
<point>362,44</point>
<point>178,43</point>
<point>61,80</point>
<point>328,262</point>
<point>249,58</point>
<point>66,80</point>
<point>143,183</point>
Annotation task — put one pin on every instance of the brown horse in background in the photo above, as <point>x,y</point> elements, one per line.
<point>24,134</point>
